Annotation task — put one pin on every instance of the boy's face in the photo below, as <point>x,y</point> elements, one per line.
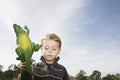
<point>50,50</point>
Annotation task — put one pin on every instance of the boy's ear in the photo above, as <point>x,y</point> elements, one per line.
<point>60,51</point>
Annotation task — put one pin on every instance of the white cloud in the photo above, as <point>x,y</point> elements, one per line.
<point>9,11</point>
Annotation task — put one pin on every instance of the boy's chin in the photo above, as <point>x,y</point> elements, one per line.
<point>50,60</point>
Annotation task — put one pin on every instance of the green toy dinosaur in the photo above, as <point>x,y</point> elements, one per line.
<point>25,47</point>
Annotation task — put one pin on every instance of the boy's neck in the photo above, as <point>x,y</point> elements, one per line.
<point>49,62</point>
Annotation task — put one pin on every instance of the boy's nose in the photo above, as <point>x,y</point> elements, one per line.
<point>50,50</point>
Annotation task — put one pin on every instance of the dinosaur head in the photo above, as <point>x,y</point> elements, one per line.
<point>18,30</point>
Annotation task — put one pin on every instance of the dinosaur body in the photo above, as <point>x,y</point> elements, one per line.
<point>25,47</point>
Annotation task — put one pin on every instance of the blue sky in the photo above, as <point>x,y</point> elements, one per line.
<point>89,30</point>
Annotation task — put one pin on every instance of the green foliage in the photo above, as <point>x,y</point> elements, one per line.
<point>96,75</point>
<point>13,72</point>
<point>112,77</point>
<point>1,67</point>
<point>81,75</point>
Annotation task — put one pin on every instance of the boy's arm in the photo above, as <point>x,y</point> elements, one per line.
<point>24,76</point>
<point>66,76</point>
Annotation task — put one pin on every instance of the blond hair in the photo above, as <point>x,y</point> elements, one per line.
<point>52,36</point>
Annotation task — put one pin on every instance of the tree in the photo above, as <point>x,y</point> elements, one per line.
<point>118,76</point>
<point>1,68</point>
<point>81,75</point>
<point>96,75</point>
<point>1,72</point>
<point>13,68</point>
<point>111,77</point>
<point>12,72</point>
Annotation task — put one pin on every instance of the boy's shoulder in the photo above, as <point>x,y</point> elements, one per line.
<point>58,65</point>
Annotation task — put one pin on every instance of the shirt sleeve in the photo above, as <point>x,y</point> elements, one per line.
<point>66,77</point>
<point>24,76</point>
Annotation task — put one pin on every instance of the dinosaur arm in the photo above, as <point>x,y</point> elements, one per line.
<point>35,47</point>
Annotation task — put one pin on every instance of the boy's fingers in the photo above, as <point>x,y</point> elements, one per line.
<point>23,63</point>
<point>22,67</point>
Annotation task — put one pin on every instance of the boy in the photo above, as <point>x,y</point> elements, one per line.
<point>48,68</point>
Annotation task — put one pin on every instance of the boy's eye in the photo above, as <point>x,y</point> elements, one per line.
<point>46,48</point>
<point>54,49</point>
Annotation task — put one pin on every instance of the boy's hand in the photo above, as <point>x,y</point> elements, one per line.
<point>22,65</point>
